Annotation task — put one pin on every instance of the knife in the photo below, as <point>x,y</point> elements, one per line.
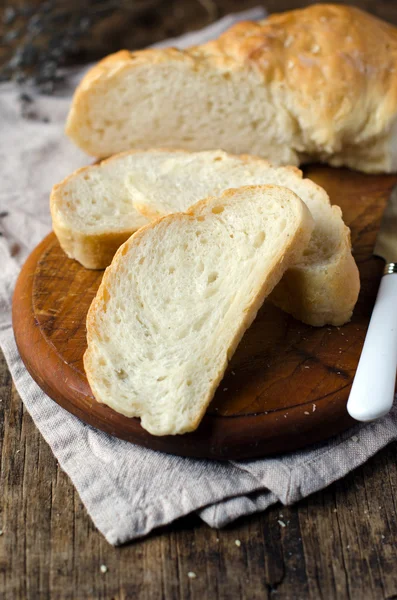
<point>372,393</point>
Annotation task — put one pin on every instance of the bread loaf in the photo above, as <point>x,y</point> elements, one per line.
<point>93,213</point>
<point>316,84</point>
<point>177,298</point>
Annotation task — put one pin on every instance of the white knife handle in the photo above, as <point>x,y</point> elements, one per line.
<point>372,393</point>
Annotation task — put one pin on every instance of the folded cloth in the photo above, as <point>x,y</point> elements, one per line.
<point>126,489</point>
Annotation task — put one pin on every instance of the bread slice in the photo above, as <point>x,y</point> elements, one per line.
<point>316,84</point>
<point>93,212</point>
<point>178,297</point>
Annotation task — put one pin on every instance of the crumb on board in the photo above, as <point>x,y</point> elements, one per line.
<point>306,412</point>
<point>281,523</point>
<point>314,407</point>
<point>238,543</point>
<point>192,575</point>
<point>103,569</point>
<point>233,373</point>
<point>225,389</point>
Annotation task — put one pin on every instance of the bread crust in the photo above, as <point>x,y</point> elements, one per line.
<point>334,67</point>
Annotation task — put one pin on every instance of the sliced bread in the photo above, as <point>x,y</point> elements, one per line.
<point>178,297</point>
<point>93,213</point>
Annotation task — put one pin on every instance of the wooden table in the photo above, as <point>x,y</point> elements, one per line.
<point>339,543</point>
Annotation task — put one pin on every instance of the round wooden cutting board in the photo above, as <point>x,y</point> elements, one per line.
<point>287,384</point>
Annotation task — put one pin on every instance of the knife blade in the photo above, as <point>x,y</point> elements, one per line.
<point>372,392</point>
<point>386,240</point>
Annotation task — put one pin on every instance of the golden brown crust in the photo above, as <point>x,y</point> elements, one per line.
<point>93,251</point>
<point>337,64</point>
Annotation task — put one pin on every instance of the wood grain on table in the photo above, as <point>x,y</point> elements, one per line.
<point>339,543</point>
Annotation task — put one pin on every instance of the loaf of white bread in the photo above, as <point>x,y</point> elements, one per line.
<point>178,297</point>
<point>316,84</point>
<point>93,214</point>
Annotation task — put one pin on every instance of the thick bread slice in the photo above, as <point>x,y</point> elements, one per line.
<point>316,84</point>
<point>93,210</point>
<point>92,213</point>
<point>177,298</point>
